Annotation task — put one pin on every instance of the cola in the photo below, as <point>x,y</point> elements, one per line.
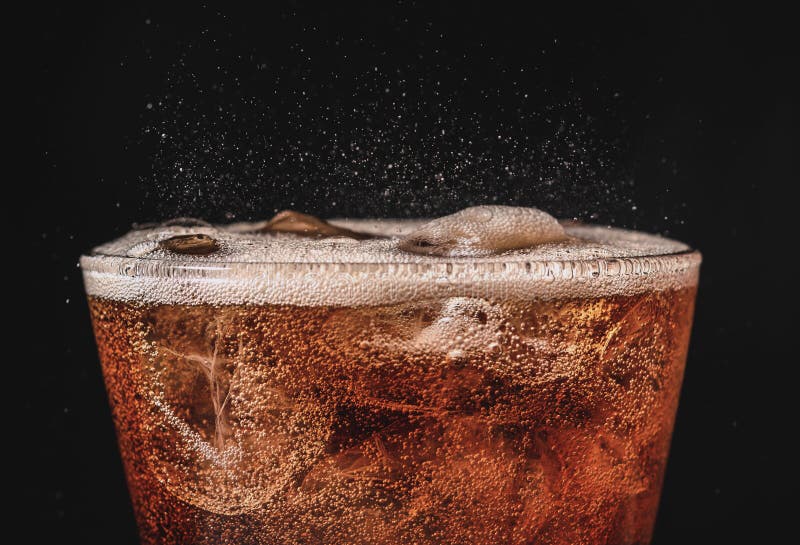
<point>393,382</point>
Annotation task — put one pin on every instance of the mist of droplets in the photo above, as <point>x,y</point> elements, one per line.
<point>247,137</point>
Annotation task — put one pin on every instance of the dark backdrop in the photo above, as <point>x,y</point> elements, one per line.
<point>684,100</point>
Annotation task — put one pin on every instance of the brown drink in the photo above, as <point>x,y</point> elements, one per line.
<point>280,388</point>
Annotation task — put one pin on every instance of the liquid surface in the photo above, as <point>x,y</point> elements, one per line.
<point>297,259</point>
<point>250,243</point>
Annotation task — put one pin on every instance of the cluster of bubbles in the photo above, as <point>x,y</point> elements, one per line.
<point>245,138</point>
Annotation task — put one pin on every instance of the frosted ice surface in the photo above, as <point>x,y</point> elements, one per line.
<point>463,325</point>
<point>484,230</point>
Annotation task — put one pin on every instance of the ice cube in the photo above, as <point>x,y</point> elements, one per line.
<point>289,221</point>
<point>222,436</point>
<point>464,325</point>
<point>483,230</point>
<point>191,244</point>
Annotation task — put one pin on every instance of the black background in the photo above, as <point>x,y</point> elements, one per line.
<point>690,95</point>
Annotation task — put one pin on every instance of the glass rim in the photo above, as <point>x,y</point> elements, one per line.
<point>188,263</point>
<point>147,281</point>
<point>341,278</point>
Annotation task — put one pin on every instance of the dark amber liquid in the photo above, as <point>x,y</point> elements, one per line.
<point>458,421</point>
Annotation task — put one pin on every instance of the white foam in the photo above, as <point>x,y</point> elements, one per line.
<point>289,269</point>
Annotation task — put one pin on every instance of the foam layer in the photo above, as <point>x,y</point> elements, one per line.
<point>279,268</point>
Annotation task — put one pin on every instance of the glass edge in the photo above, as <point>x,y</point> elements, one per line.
<point>443,261</point>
